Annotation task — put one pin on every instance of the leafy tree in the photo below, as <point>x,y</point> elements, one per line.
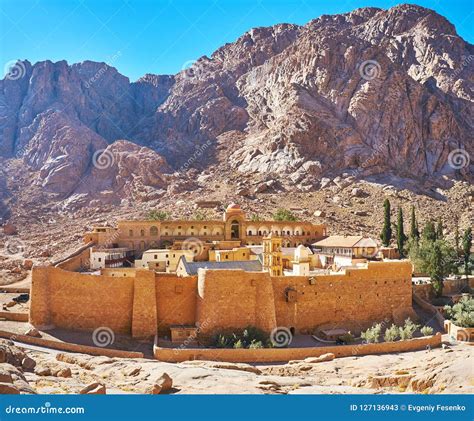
<point>456,238</point>
<point>439,229</point>
<point>414,233</point>
<point>284,215</point>
<point>466,250</point>
<point>429,232</point>
<point>255,218</point>
<point>401,237</point>
<point>158,215</point>
<point>386,234</point>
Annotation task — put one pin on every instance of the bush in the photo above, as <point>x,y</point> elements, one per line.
<point>372,335</point>
<point>158,215</point>
<point>392,333</point>
<point>347,338</point>
<point>407,331</point>
<point>250,337</point>
<point>426,331</point>
<point>461,313</point>
<point>284,215</point>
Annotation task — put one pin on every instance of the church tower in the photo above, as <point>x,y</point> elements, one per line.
<point>272,255</point>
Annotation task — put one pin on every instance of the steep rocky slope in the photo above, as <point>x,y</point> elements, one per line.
<point>379,95</point>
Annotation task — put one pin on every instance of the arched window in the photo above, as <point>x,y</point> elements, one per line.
<point>130,233</point>
<point>154,231</point>
<point>142,233</point>
<point>249,232</point>
<point>234,229</point>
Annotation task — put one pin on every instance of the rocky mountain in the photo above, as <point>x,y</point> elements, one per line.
<point>365,94</point>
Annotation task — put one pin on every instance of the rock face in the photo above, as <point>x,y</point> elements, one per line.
<point>368,92</point>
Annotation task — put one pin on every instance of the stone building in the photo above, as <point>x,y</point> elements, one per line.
<point>234,227</point>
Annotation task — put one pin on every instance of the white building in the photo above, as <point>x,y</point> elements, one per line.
<point>163,260</point>
<point>101,258</point>
<point>301,261</point>
<point>341,251</point>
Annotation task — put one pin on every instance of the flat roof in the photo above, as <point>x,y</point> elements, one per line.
<point>346,241</point>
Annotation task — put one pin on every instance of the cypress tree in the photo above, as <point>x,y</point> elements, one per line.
<point>414,233</point>
<point>439,229</point>
<point>436,269</point>
<point>386,234</point>
<point>429,232</point>
<point>466,249</point>
<point>401,237</point>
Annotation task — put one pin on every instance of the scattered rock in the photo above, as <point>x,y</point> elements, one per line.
<point>28,364</point>
<point>162,384</point>
<point>360,213</point>
<point>319,214</point>
<point>27,264</point>
<point>391,380</point>
<point>10,229</point>
<point>357,192</point>
<point>322,358</point>
<point>8,389</point>
<point>94,389</point>
<point>63,372</point>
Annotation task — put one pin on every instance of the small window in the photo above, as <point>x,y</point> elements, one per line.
<point>156,257</point>
<point>100,259</point>
<point>130,233</point>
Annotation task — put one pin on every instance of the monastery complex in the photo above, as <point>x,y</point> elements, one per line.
<point>176,278</point>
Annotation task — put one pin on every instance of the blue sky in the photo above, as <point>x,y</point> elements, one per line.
<point>163,36</point>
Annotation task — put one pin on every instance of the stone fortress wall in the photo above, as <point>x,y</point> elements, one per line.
<point>141,303</point>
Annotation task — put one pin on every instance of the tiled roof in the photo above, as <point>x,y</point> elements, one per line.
<point>346,241</point>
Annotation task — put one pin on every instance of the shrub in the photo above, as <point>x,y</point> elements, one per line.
<point>157,215</point>
<point>426,331</point>
<point>372,335</point>
<point>392,333</point>
<point>250,337</point>
<point>347,338</point>
<point>461,313</point>
<point>407,331</point>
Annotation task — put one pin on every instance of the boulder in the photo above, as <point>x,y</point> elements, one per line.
<point>94,389</point>
<point>5,376</point>
<point>325,182</point>
<point>28,364</point>
<point>319,214</point>
<point>357,192</point>
<point>322,358</point>
<point>163,384</point>
<point>10,229</point>
<point>8,389</point>
<point>63,372</point>
<point>27,264</point>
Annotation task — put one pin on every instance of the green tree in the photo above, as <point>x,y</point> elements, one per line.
<point>284,215</point>
<point>429,232</point>
<point>158,215</point>
<point>439,229</point>
<point>414,233</point>
<point>401,237</point>
<point>435,269</point>
<point>466,250</point>
<point>456,238</point>
<point>386,234</point>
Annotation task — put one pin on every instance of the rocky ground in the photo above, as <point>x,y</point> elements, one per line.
<point>36,370</point>
<point>46,233</point>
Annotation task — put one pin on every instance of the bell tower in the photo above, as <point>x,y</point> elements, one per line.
<point>272,255</point>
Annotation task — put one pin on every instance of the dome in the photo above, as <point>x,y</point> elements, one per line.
<point>233,207</point>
